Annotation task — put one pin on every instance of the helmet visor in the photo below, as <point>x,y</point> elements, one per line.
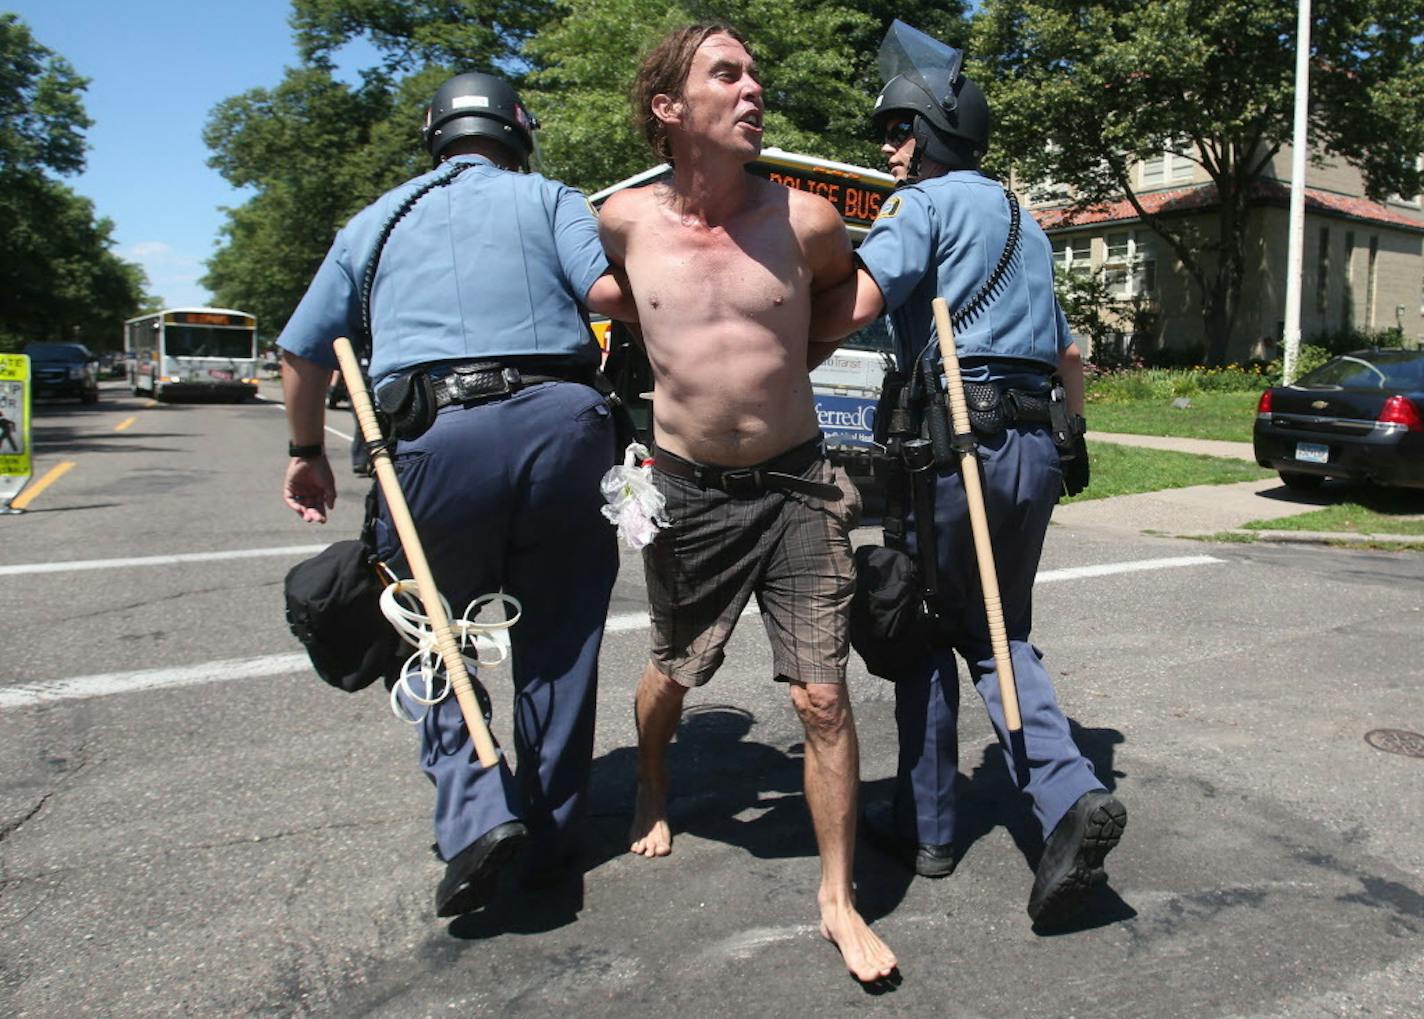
<point>910,52</point>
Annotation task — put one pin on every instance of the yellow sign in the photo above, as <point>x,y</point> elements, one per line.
<point>15,464</point>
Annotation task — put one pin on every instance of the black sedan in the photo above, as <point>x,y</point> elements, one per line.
<point>1359,416</point>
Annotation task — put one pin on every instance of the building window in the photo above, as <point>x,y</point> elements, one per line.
<point>1130,269</point>
<point>1322,272</point>
<point>1166,168</point>
<point>1073,254</point>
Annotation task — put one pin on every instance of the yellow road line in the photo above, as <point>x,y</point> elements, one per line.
<point>124,423</point>
<point>56,472</point>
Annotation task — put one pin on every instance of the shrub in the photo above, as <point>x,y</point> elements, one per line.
<point>1165,384</point>
<point>1342,341</point>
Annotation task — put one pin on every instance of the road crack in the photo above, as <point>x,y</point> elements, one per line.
<point>15,826</point>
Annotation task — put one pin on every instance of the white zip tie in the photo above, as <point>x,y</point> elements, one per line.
<point>401,604</point>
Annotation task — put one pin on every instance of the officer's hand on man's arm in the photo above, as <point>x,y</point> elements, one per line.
<point>308,486</point>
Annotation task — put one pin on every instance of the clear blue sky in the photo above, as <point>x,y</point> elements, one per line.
<point>156,69</point>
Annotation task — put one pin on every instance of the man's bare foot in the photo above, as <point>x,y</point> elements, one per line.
<point>867,957</point>
<point>650,835</point>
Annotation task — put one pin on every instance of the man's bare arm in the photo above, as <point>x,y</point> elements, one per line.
<point>612,295</point>
<point>836,313</point>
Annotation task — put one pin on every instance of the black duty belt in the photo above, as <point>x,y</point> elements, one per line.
<point>779,474</point>
<point>992,408</point>
<point>482,379</point>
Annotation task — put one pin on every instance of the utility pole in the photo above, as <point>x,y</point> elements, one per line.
<point>1300,142</point>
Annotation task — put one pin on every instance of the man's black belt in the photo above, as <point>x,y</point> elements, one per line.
<point>479,380</point>
<point>779,474</point>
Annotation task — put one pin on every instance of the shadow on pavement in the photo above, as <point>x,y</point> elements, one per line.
<point>749,795</point>
<point>58,440</point>
<point>1388,501</point>
<point>725,789</point>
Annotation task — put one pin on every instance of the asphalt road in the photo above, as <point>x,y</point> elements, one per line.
<point>192,824</point>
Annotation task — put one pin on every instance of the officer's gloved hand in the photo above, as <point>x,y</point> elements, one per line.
<point>1074,463</point>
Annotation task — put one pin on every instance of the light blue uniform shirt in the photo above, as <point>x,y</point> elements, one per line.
<point>942,237</point>
<point>494,264</point>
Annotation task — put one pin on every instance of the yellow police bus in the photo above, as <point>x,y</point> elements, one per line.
<point>847,385</point>
<point>192,352</point>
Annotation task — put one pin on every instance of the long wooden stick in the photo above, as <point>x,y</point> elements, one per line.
<point>974,493</point>
<point>445,642</point>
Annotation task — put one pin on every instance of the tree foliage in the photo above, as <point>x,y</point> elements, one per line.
<point>59,278</point>
<point>1082,91</point>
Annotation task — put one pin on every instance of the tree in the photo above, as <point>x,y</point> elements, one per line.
<point>42,120</point>
<point>59,278</point>
<point>479,35</point>
<point>1082,91</point>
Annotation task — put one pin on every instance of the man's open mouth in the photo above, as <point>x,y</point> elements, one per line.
<point>752,118</point>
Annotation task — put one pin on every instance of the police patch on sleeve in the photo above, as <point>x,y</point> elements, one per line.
<point>890,209</point>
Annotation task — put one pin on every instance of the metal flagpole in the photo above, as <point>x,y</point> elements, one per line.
<point>1299,142</point>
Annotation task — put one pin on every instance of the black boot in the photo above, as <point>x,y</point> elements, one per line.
<point>1072,863</point>
<point>927,859</point>
<point>470,878</point>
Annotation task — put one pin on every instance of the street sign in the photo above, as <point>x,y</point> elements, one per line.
<point>15,464</point>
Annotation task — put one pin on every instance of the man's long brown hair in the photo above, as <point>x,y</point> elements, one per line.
<point>664,70</point>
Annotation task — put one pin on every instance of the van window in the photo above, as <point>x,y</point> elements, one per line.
<point>875,336</point>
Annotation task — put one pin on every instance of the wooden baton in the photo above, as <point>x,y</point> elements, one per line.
<point>974,493</point>
<point>445,641</point>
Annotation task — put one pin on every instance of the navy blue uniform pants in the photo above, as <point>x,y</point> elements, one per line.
<point>505,497</point>
<point>1022,478</point>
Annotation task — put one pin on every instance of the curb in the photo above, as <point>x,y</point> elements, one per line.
<point>1328,537</point>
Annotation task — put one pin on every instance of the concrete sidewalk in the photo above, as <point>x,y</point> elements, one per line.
<point>1205,509</point>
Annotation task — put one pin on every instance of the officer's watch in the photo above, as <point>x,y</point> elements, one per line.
<point>308,452</point>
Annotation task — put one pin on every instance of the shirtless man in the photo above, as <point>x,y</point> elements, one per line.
<point>722,266</point>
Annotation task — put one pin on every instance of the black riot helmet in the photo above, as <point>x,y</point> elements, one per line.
<point>924,85</point>
<point>478,105</point>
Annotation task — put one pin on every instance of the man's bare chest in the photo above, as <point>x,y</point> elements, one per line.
<point>688,261</point>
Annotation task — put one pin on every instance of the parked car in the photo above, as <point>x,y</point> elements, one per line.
<point>113,364</point>
<point>63,369</point>
<point>1359,416</point>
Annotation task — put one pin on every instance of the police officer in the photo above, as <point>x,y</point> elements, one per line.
<point>479,276</point>
<point>949,231</point>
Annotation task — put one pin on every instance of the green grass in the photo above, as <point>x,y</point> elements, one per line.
<point>1360,511</point>
<point>1126,470</point>
<point>1226,416</point>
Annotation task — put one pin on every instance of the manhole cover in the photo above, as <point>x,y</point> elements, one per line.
<point>1396,741</point>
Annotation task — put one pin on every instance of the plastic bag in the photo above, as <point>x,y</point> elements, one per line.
<point>635,505</point>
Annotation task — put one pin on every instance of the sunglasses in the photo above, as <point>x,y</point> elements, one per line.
<point>898,132</point>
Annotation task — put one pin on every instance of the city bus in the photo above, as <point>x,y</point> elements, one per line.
<point>847,385</point>
<point>192,352</point>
